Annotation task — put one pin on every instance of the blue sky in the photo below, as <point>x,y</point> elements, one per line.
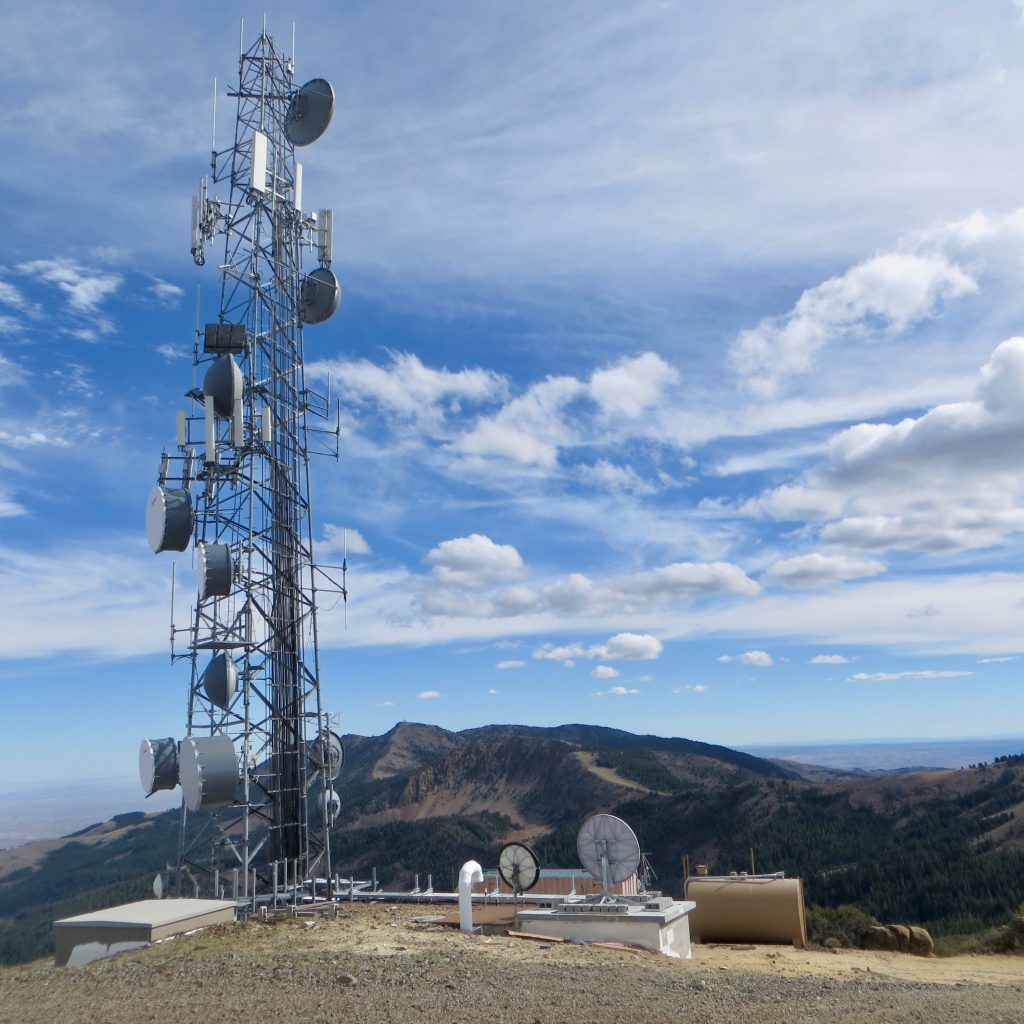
<point>679,359</point>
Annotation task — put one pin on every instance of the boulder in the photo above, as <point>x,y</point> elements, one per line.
<point>921,943</point>
<point>879,937</point>
<point>898,938</point>
<point>902,933</point>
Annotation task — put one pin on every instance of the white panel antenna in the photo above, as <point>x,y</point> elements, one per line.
<point>258,180</point>
<point>325,236</point>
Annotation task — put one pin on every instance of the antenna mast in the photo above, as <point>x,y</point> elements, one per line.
<point>258,758</point>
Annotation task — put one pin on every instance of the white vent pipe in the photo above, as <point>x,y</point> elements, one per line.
<point>471,872</point>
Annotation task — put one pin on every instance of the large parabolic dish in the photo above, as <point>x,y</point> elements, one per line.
<point>608,849</point>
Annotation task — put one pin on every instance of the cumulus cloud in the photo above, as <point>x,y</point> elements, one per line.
<point>510,664</point>
<point>760,658</point>
<point>428,694</point>
<point>829,659</point>
<point>493,692</point>
<point>631,387</point>
<point>861,677</point>
<point>623,691</point>
<point>409,391</point>
<point>339,539</point>
<point>817,570</point>
<point>474,561</point>
<point>604,672</point>
<point>621,647</point>
<point>529,429</point>
<point>889,291</point>
<point>84,288</point>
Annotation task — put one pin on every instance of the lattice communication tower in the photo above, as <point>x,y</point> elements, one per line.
<point>259,756</point>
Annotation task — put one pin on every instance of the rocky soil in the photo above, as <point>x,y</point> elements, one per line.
<point>378,964</point>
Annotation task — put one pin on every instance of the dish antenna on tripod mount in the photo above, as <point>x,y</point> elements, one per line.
<point>236,490</point>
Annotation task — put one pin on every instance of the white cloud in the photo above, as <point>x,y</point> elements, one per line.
<point>474,561</point>
<point>890,291</point>
<point>760,658</point>
<point>493,692</point>
<point>621,647</point>
<point>172,352</point>
<point>409,391</point>
<point>12,374</point>
<point>795,502</point>
<point>622,691</point>
<point>610,477</point>
<point>428,695</point>
<point>816,570</point>
<point>631,387</point>
<point>385,703</point>
<point>165,292</point>
<point>529,429</point>
<point>891,676</point>
<point>9,508</point>
<point>994,661</point>
<point>829,659</point>
<point>631,647</point>
<point>604,672</point>
<point>339,539</point>
<point>85,289</point>
<point>510,664</point>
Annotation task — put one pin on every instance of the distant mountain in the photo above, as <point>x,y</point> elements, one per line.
<point>884,756</point>
<point>941,848</point>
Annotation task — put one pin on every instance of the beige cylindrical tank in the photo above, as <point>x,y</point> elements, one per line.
<point>747,909</point>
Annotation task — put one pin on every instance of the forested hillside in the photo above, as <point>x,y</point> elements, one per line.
<point>942,849</point>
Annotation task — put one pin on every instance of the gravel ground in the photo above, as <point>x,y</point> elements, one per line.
<point>377,964</point>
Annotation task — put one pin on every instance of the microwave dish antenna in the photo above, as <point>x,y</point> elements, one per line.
<point>235,493</point>
<point>518,867</point>
<point>309,112</point>
<point>608,849</point>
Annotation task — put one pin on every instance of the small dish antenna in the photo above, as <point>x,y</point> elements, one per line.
<point>519,867</point>
<point>328,752</point>
<point>168,519</point>
<point>309,112</point>
<point>608,849</point>
<point>321,295</point>
<point>223,383</point>
<point>215,570</point>
<point>158,764</point>
<point>220,680</point>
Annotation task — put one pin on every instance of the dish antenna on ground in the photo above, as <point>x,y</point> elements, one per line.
<point>519,867</point>
<point>609,850</point>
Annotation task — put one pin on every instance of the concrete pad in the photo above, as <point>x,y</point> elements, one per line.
<point>665,930</point>
<point>102,933</point>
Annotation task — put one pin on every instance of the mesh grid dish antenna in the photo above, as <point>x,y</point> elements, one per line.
<point>236,491</point>
<point>518,867</point>
<point>608,849</point>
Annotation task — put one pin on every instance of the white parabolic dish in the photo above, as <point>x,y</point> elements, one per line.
<point>605,838</point>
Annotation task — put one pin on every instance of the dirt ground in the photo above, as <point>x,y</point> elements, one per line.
<point>379,963</point>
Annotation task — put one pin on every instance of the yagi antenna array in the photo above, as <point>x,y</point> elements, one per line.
<point>257,754</point>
